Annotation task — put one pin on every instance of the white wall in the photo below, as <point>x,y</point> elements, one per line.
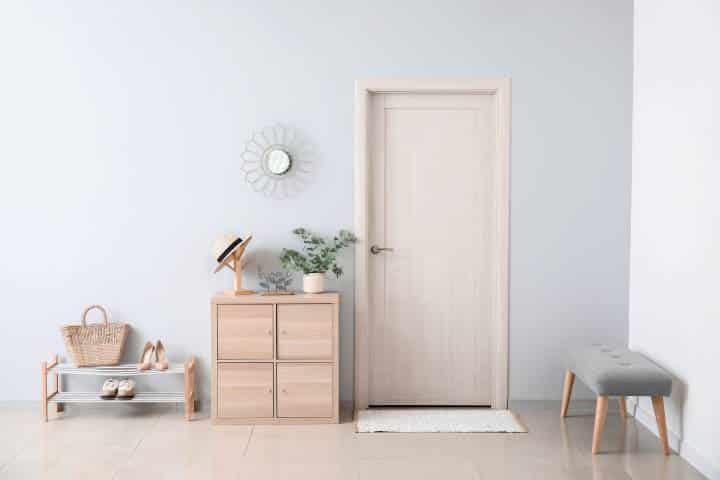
<point>122,124</point>
<point>675,247</point>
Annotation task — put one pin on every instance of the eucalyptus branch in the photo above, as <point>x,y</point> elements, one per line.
<point>318,255</point>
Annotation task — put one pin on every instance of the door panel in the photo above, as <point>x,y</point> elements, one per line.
<point>245,332</point>
<point>305,390</point>
<point>305,332</point>
<point>245,390</point>
<point>432,203</point>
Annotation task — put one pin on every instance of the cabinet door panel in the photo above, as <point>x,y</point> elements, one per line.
<point>305,332</point>
<point>245,390</point>
<point>305,390</point>
<point>245,332</point>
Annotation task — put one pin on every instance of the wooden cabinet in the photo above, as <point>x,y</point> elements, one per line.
<point>305,332</point>
<point>245,332</point>
<point>304,390</point>
<point>275,359</point>
<point>245,390</point>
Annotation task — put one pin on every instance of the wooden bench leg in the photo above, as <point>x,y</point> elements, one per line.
<point>659,408</point>
<point>567,392</point>
<point>43,391</point>
<point>623,407</point>
<point>601,407</point>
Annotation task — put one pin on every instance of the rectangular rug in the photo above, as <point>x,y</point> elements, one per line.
<point>437,419</point>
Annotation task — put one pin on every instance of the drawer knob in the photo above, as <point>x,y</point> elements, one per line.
<point>269,332</point>
<point>284,390</point>
<point>269,390</point>
<point>284,332</point>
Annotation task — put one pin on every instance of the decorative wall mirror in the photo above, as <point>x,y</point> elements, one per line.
<point>277,161</point>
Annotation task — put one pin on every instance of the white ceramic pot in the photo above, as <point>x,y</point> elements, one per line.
<point>314,283</point>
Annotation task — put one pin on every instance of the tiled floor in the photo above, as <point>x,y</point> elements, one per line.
<point>128,443</point>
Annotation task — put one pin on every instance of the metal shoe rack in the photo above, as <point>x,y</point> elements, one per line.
<point>55,397</point>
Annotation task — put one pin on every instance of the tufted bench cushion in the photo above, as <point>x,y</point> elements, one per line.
<point>619,371</point>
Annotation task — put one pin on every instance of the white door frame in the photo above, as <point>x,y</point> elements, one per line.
<point>364,88</point>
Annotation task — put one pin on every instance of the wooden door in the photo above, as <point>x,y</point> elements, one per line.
<point>245,332</point>
<point>245,390</point>
<point>305,332</point>
<point>305,390</point>
<point>432,201</point>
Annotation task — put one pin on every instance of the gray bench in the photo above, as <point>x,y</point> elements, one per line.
<point>617,372</point>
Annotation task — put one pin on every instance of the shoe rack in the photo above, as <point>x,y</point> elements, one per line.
<point>57,398</point>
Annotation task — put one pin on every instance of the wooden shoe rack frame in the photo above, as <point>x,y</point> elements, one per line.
<point>57,398</point>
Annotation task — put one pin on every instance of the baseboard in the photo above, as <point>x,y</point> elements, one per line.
<point>200,405</point>
<point>703,464</point>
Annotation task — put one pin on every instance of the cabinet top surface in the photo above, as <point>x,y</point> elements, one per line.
<point>327,297</point>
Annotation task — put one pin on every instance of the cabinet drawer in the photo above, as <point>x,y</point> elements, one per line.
<point>304,390</point>
<point>305,332</point>
<point>245,390</point>
<point>245,332</point>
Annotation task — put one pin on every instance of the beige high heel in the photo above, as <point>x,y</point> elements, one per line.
<point>160,357</point>
<point>146,357</point>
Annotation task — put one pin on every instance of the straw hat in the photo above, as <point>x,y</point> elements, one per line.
<point>224,245</point>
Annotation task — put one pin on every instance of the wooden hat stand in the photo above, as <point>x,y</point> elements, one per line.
<point>233,261</point>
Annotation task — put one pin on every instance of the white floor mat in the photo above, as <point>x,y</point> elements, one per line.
<point>437,419</point>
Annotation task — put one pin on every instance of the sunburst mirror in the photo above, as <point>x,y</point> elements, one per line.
<point>277,161</point>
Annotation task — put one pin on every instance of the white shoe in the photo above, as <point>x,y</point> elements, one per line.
<point>126,389</point>
<point>109,389</point>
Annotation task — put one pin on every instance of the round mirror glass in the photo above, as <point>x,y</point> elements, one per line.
<point>277,161</point>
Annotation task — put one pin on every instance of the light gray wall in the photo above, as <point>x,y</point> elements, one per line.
<point>675,254</point>
<point>122,124</point>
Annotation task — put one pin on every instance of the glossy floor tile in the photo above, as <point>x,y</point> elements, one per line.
<point>157,443</point>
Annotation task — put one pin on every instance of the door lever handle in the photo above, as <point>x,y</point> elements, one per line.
<point>375,249</point>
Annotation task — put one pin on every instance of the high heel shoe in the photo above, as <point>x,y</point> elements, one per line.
<point>160,357</point>
<point>146,357</point>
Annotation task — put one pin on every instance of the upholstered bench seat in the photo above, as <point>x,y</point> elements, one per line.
<point>617,372</point>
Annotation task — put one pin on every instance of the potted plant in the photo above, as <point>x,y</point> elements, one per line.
<point>318,255</point>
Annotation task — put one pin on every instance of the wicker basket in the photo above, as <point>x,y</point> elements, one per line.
<point>95,345</point>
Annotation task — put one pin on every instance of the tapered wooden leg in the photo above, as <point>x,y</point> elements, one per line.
<point>601,407</point>
<point>623,407</point>
<point>567,392</point>
<point>659,407</point>
<point>43,398</point>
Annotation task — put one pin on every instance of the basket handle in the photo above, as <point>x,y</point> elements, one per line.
<point>90,307</point>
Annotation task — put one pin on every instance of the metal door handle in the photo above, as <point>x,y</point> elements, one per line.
<point>375,249</point>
